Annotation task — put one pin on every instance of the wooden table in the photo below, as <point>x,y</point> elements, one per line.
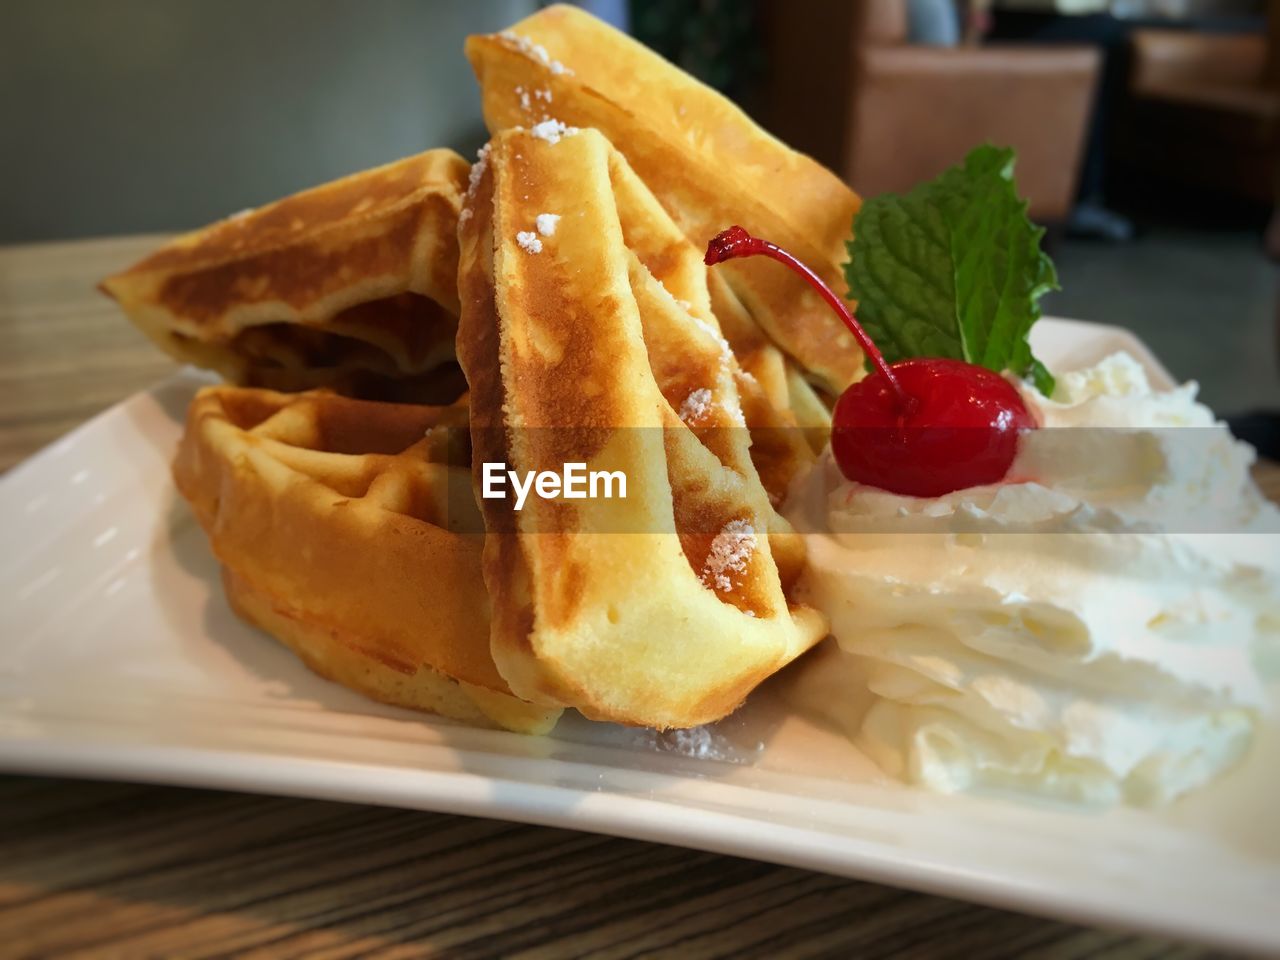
<point>121,870</point>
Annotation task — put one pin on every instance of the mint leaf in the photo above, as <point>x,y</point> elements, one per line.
<point>953,269</point>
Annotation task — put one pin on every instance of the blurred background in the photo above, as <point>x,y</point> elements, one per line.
<point>1148,132</point>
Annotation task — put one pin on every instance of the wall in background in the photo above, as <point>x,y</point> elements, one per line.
<point>147,115</point>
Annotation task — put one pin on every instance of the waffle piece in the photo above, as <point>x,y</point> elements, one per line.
<point>703,158</point>
<point>350,285</point>
<point>774,375</point>
<point>667,607</point>
<point>763,380</point>
<point>348,530</point>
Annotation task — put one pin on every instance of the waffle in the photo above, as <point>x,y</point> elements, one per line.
<point>595,342</point>
<point>791,399</point>
<point>348,530</point>
<point>350,285</point>
<point>704,159</point>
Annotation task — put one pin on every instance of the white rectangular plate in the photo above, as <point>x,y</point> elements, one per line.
<point>120,659</point>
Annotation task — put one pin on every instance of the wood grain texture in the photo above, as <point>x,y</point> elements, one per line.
<point>67,351</point>
<point>113,869</point>
<point>121,870</point>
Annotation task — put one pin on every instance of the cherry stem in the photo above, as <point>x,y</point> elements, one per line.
<point>737,242</point>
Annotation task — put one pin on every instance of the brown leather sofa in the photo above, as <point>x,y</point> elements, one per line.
<point>848,89</point>
<point>1204,109</point>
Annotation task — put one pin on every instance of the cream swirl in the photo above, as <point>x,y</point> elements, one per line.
<point>1090,628</point>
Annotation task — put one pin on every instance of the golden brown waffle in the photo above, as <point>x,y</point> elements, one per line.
<point>703,158</point>
<point>773,375</point>
<point>595,342</point>
<point>350,285</point>
<point>348,530</point>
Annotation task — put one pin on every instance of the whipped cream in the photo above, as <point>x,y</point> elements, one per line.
<point>1090,629</point>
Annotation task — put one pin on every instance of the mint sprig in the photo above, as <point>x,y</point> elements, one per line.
<point>953,269</point>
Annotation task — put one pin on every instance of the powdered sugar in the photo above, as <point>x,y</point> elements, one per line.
<point>724,742</point>
<point>473,181</point>
<point>535,50</point>
<point>547,223</point>
<point>696,406</point>
<point>694,402</point>
<point>529,241</point>
<point>478,168</point>
<point>552,131</point>
<point>726,354</point>
<point>731,551</point>
<point>695,742</point>
<point>531,98</point>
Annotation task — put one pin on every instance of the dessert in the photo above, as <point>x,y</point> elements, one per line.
<point>702,157</point>
<point>1090,632</point>
<point>350,285</point>
<point>598,345</point>
<point>353,286</point>
<point>348,530</point>
<point>1059,589</point>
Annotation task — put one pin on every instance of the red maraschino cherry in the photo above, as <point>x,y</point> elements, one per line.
<point>922,427</point>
